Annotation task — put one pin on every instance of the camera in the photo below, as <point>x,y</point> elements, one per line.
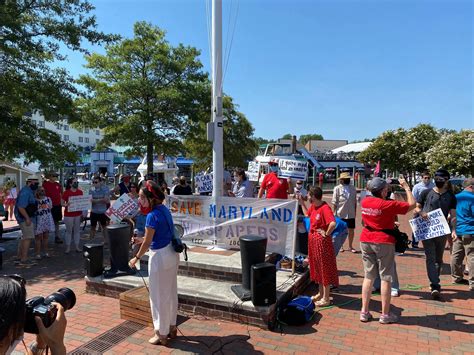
<point>41,307</point>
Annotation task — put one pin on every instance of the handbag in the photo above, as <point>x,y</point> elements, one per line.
<point>401,239</point>
<point>176,241</point>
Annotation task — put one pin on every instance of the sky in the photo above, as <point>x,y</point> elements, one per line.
<point>346,69</point>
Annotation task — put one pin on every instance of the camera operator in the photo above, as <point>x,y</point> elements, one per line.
<point>12,321</point>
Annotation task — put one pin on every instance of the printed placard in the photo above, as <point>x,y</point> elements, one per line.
<point>294,169</point>
<point>79,203</point>
<point>220,221</point>
<point>123,207</point>
<point>203,182</point>
<point>435,226</point>
<point>252,171</point>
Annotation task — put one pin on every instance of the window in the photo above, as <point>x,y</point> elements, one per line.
<point>80,139</point>
<point>87,139</point>
<point>86,130</point>
<point>97,132</point>
<point>41,123</point>
<point>66,137</point>
<point>66,127</point>
<point>58,126</point>
<point>34,122</point>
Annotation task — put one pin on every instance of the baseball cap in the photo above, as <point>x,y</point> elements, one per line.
<point>442,173</point>
<point>376,184</point>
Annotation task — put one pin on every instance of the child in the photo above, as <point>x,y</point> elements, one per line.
<point>44,223</point>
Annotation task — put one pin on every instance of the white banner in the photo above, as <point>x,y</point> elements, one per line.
<point>203,183</point>
<point>209,221</point>
<point>294,169</point>
<point>79,203</point>
<point>252,171</point>
<point>435,226</point>
<point>123,207</point>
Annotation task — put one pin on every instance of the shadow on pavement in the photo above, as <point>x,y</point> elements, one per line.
<point>446,322</point>
<point>237,344</point>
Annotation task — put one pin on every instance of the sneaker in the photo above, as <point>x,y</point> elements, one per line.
<point>388,318</point>
<point>78,250</point>
<point>461,282</point>
<point>395,293</point>
<point>38,257</point>
<point>68,249</point>
<point>58,241</point>
<point>27,263</point>
<point>365,317</point>
<point>466,272</point>
<point>46,255</point>
<point>435,294</point>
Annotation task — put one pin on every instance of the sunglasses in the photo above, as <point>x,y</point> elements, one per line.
<point>95,182</point>
<point>21,281</point>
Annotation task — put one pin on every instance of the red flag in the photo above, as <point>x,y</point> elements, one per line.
<point>377,169</point>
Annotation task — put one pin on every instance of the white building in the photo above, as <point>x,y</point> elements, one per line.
<point>87,137</point>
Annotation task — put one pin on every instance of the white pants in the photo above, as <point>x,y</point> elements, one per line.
<point>73,230</point>
<point>163,279</point>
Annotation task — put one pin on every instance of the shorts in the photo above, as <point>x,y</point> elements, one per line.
<point>27,232</point>
<point>378,259</point>
<point>351,222</point>
<point>57,212</point>
<point>98,217</point>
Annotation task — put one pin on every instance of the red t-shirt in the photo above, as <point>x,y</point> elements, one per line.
<point>275,186</point>
<point>53,191</point>
<point>320,217</point>
<point>380,214</point>
<point>66,195</point>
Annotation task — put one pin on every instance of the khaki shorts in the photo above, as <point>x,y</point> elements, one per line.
<point>378,259</point>
<point>27,232</point>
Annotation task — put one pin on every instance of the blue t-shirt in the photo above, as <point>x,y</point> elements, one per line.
<point>465,213</point>
<point>161,221</point>
<point>25,198</point>
<point>341,227</point>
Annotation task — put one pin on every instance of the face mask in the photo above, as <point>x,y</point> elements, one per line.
<point>75,185</point>
<point>144,206</point>
<point>299,186</point>
<point>13,346</point>
<point>237,178</point>
<point>273,168</point>
<point>439,184</point>
<point>346,181</point>
<point>34,186</point>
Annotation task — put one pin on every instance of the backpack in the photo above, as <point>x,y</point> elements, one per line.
<point>298,311</point>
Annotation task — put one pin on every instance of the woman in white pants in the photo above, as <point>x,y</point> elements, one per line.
<point>162,263</point>
<point>72,220</point>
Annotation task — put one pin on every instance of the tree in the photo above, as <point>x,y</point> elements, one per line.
<point>415,143</point>
<point>143,92</point>
<point>31,36</point>
<point>388,149</point>
<point>305,138</point>
<point>454,152</point>
<point>239,146</point>
<point>287,136</point>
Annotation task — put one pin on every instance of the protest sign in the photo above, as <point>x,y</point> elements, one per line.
<point>220,221</point>
<point>435,226</point>
<point>252,171</point>
<point>123,207</point>
<point>203,183</point>
<point>79,203</point>
<point>295,169</point>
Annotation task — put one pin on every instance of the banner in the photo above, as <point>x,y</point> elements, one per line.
<point>252,171</point>
<point>294,169</point>
<point>435,226</point>
<point>220,221</point>
<point>79,203</point>
<point>203,183</point>
<point>123,207</point>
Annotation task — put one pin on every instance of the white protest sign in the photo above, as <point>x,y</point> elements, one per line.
<point>435,226</point>
<point>79,203</point>
<point>220,221</point>
<point>203,183</point>
<point>295,169</point>
<point>252,171</point>
<point>123,207</point>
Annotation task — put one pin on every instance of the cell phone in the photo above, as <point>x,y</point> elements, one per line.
<point>401,176</point>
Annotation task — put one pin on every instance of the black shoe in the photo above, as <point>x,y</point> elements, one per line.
<point>58,241</point>
<point>461,282</point>
<point>435,294</point>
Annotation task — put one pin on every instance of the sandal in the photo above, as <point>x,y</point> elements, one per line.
<point>316,298</point>
<point>323,303</point>
<point>157,339</point>
<point>353,251</point>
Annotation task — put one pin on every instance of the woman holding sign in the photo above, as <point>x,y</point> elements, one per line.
<point>162,263</point>
<point>72,220</point>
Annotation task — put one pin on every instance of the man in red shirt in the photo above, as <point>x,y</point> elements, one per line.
<point>378,247</point>
<point>274,186</point>
<point>54,191</point>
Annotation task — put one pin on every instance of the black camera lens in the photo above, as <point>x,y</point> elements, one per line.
<point>64,296</point>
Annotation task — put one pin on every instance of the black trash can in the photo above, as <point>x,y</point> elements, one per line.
<point>119,244</point>
<point>93,259</point>
<point>252,251</point>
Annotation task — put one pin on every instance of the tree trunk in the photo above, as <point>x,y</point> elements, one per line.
<point>149,157</point>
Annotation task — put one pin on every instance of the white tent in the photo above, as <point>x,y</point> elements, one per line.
<point>352,148</point>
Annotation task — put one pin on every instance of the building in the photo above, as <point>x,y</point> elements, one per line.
<point>85,138</point>
<point>324,146</point>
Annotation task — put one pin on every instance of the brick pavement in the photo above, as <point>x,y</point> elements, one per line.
<point>426,326</point>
